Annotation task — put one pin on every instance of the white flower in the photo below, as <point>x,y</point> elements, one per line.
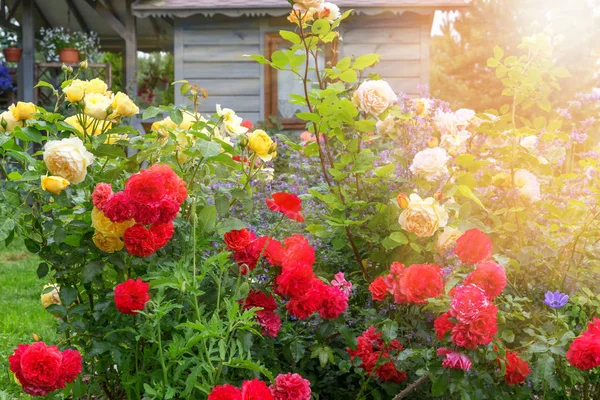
<point>464,117</point>
<point>231,122</point>
<point>328,11</point>
<point>96,105</point>
<point>447,239</point>
<point>455,143</point>
<point>10,120</point>
<point>430,163</point>
<point>528,185</point>
<point>529,142</point>
<point>389,126</point>
<point>374,97</point>
<point>445,122</point>
<point>307,4</point>
<point>68,159</point>
<point>423,217</point>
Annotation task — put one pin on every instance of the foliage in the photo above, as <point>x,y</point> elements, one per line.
<point>56,39</point>
<point>154,74</point>
<point>9,39</point>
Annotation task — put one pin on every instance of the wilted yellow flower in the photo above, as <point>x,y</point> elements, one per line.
<point>97,105</point>
<point>104,225</point>
<point>54,184</point>
<point>68,158</point>
<point>107,243</point>
<point>76,90</point>
<point>260,143</point>
<point>23,111</point>
<point>10,120</point>
<point>96,85</point>
<point>51,296</point>
<point>124,106</point>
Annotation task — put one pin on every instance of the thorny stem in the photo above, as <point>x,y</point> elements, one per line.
<point>411,387</point>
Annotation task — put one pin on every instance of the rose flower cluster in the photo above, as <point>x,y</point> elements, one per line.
<point>375,355</point>
<point>151,198</point>
<point>584,352</point>
<point>414,284</point>
<point>41,369</point>
<point>287,387</point>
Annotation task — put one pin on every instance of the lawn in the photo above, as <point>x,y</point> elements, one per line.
<point>22,313</point>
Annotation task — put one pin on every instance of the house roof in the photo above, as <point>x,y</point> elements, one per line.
<point>236,8</point>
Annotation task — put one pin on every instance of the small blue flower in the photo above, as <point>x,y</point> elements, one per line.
<point>556,299</point>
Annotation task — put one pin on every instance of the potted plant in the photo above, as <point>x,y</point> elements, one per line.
<point>58,44</point>
<point>10,48</point>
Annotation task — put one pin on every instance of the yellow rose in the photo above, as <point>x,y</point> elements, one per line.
<point>23,111</point>
<point>50,297</point>
<point>97,105</point>
<point>231,122</point>
<point>188,121</point>
<point>96,86</point>
<point>76,90</point>
<point>260,143</point>
<point>54,184</point>
<point>91,123</point>
<point>423,217</point>
<point>68,159</point>
<point>124,106</point>
<point>107,243</point>
<point>162,125</point>
<point>447,239</point>
<point>113,138</point>
<point>402,200</point>
<point>10,120</point>
<point>307,16</point>
<point>104,225</point>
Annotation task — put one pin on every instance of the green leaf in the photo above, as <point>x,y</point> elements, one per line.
<point>68,295</point>
<point>42,270</point>
<point>390,330</point>
<point>176,116</point>
<point>109,150</point>
<point>207,218</point>
<point>151,112</point>
<point>28,133</point>
<point>307,116</point>
<point>91,270</point>
<point>348,76</point>
<point>501,71</point>
<point>365,125</point>
<point>544,105</point>
<point>44,84</point>
<point>468,193</point>
<point>384,170</point>
<point>344,63</point>
<point>492,62</point>
<point>321,27</point>
<point>440,385</point>
<point>508,336</point>
<point>230,224</point>
<point>249,365</point>
<point>280,59</point>
<point>498,52</point>
<point>290,36</point>
<point>539,123</point>
<point>6,227</point>
<point>208,149</point>
<point>365,61</point>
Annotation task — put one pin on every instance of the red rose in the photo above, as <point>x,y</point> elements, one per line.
<point>225,392</point>
<point>295,282</point>
<point>442,324</point>
<point>516,369</point>
<point>489,276</point>
<point>473,247</point>
<point>131,296</point>
<point>270,322</point>
<point>593,327</point>
<point>454,360</point>
<point>468,302</point>
<point>174,185</point>
<point>304,305</point>
<point>168,209</point>
<point>371,349</point>
<point>102,192</point>
<point>266,246</point>
<point>119,208</point>
<point>247,124</point>
<point>146,187</point>
<point>389,373</point>
<point>421,281</point>
<point>41,369</point>
<point>379,289</point>
<point>162,233</point>
<point>146,214</point>
<point>288,204</point>
<point>256,390</point>
<point>480,331</point>
<point>256,298</point>
<point>296,251</point>
<point>139,241</point>
<point>334,302</point>
<point>237,240</point>
<point>291,387</point>
<point>584,352</point>
<point>394,282</point>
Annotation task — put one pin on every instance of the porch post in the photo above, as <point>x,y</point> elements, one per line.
<point>130,57</point>
<point>27,63</point>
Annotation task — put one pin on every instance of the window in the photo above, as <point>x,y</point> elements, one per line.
<point>280,84</point>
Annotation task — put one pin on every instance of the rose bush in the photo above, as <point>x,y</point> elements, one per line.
<point>410,251</point>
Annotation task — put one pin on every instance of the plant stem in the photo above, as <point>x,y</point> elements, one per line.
<point>411,387</point>
<point>162,359</point>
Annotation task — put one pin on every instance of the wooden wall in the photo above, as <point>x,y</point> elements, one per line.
<point>210,52</point>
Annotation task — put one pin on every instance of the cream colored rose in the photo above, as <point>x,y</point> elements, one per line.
<point>430,163</point>
<point>104,225</point>
<point>96,85</point>
<point>445,122</point>
<point>423,217</point>
<point>23,111</point>
<point>97,105</point>
<point>9,119</point>
<point>68,158</point>
<point>107,243</point>
<point>328,11</point>
<point>50,297</point>
<point>527,185</point>
<point>464,116</point>
<point>124,106</point>
<point>307,16</point>
<point>374,97</point>
<point>447,239</point>
<point>231,122</point>
<point>307,4</point>
<point>456,143</point>
<point>422,106</point>
<point>389,126</point>
<point>76,90</point>
<point>529,142</point>
<point>54,184</point>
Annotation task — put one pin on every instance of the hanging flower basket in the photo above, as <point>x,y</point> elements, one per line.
<point>12,54</point>
<point>69,56</point>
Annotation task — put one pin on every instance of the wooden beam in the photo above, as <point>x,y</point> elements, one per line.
<point>42,15</point>
<point>13,10</point>
<point>77,14</point>
<point>155,27</point>
<point>130,57</point>
<point>109,17</point>
<point>27,63</point>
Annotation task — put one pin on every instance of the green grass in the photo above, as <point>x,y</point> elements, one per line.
<point>21,311</point>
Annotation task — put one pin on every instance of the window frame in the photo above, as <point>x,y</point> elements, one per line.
<point>274,42</point>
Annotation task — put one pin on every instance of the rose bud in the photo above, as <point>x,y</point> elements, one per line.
<point>433,142</point>
<point>402,200</point>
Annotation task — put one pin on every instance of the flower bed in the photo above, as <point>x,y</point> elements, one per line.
<point>401,249</point>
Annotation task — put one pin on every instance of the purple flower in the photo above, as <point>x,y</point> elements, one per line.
<point>556,299</point>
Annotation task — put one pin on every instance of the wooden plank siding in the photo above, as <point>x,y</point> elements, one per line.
<point>209,52</point>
